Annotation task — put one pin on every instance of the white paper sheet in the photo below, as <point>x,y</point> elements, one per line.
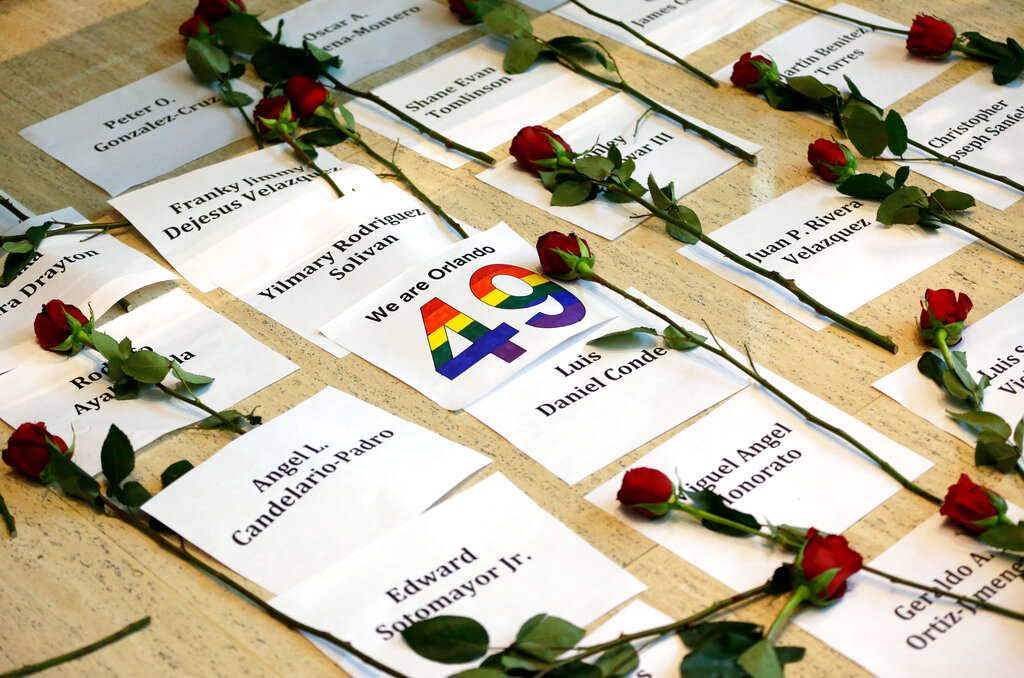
<point>763,458</point>
<point>680,26</point>
<point>8,222</point>
<point>658,146</point>
<point>367,36</point>
<point>468,97</point>
<point>660,660</point>
<point>975,122</point>
<point>348,248</point>
<point>896,631</point>
<point>96,272</point>
<point>621,397</point>
<point>142,130</point>
<point>489,553</point>
<point>830,244</point>
<point>309,487</point>
<point>994,348</point>
<point>828,49</point>
<point>74,393</point>
<point>460,323</point>
<point>187,218</point>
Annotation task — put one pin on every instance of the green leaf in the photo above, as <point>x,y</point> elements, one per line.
<point>708,501</point>
<point>508,19</point>
<point>623,339</point>
<point>241,32</point>
<point>578,669</point>
<point>448,639</point>
<point>18,247</point>
<point>147,367</point>
<point>953,385</point>
<point>658,197</point>
<point>784,98</point>
<point>618,662</point>
<point>898,207</point>
<point>1007,537</point>
<point>71,478</point>
<point>570,193</point>
<point>106,345</point>
<point>206,60</point>
<point>233,98</point>
<point>521,54</point>
<point>790,654</point>
<point>866,187</point>
<point>867,132</point>
<point>995,453</point>
<point>984,421</point>
<point>902,174</point>
<point>275,63</point>
<point>760,661</point>
<point>615,155</point>
<point>213,422</point>
<point>689,235</point>
<point>1018,435</point>
<point>931,366</point>
<point>897,131</point>
<point>716,647</point>
<point>676,340</point>
<point>16,262</point>
<point>117,457</point>
<point>595,166</point>
<point>126,388</point>
<point>480,673</point>
<point>812,88</point>
<point>134,495</point>
<point>545,637</point>
<point>327,136</point>
<point>187,377</point>
<point>325,58</point>
<point>953,201</point>
<point>175,471</point>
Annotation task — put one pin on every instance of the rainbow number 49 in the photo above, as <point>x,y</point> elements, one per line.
<point>439,318</point>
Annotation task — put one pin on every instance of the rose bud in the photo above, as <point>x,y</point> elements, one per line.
<point>975,507</point>
<point>820,554</point>
<point>944,310</point>
<point>647,490</point>
<point>215,10</point>
<point>28,453</point>
<point>831,160</point>
<point>466,10</point>
<point>195,27</point>
<point>538,149</point>
<point>306,95</point>
<point>754,73</point>
<point>273,115</point>
<point>930,37</point>
<point>61,327</point>
<point>564,256</point>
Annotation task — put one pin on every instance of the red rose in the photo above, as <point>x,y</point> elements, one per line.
<point>276,110</point>
<point>753,73</point>
<point>831,160</point>
<point>195,27</point>
<point>548,246</point>
<point>975,507</point>
<point>51,325</point>
<point>930,37</point>
<point>820,554</point>
<point>215,10</point>
<point>26,449</point>
<point>537,148</point>
<point>306,95</point>
<point>647,486</point>
<point>465,9</point>
<point>950,311</point>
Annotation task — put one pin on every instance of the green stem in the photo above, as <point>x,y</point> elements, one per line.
<point>8,518</point>
<point>660,630</point>
<point>799,596</point>
<point>945,159</point>
<point>225,83</point>
<point>774,276</point>
<point>950,220</point>
<point>69,228</point>
<point>277,615</point>
<point>195,401</point>
<point>724,355</point>
<point>80,652</point>
<point>311,163</point>
<point>653,45</point>
<point>620,84</point>
<point>9,205</point>
<point>401,176</point>
<point>704,515</point>
<point>858,22</point>
<point>948,594</point>
<point>423,129</point>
